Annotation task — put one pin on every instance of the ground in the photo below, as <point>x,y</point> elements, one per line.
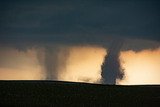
<point>59,93</point>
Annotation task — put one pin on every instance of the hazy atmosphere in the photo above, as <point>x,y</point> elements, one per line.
<point>93,41</point>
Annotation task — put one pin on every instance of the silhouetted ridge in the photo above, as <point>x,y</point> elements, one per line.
<point>58,93</point>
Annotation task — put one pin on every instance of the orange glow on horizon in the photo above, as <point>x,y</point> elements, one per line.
<point>74,63</point>
<point>140,67</point>
<point>83,64</point>
<point>19,65</point>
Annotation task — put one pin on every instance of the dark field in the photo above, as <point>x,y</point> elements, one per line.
<point>58,93</point>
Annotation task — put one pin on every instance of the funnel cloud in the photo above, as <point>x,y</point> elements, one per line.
<point>111,70</point>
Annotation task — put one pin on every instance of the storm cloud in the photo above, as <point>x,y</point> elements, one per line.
<point>78,20</point>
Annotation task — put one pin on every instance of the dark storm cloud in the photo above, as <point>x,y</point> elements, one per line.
<point>77,19</point>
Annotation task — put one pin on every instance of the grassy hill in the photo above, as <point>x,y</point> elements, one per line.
<point>59,93</point>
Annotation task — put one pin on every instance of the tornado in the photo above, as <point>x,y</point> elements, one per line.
<point>111,69</point>
<point>51,58</point>
<point>55,58</point>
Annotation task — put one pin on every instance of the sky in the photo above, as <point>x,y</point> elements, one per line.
<point>82,19</point>
<point>89,37</point>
